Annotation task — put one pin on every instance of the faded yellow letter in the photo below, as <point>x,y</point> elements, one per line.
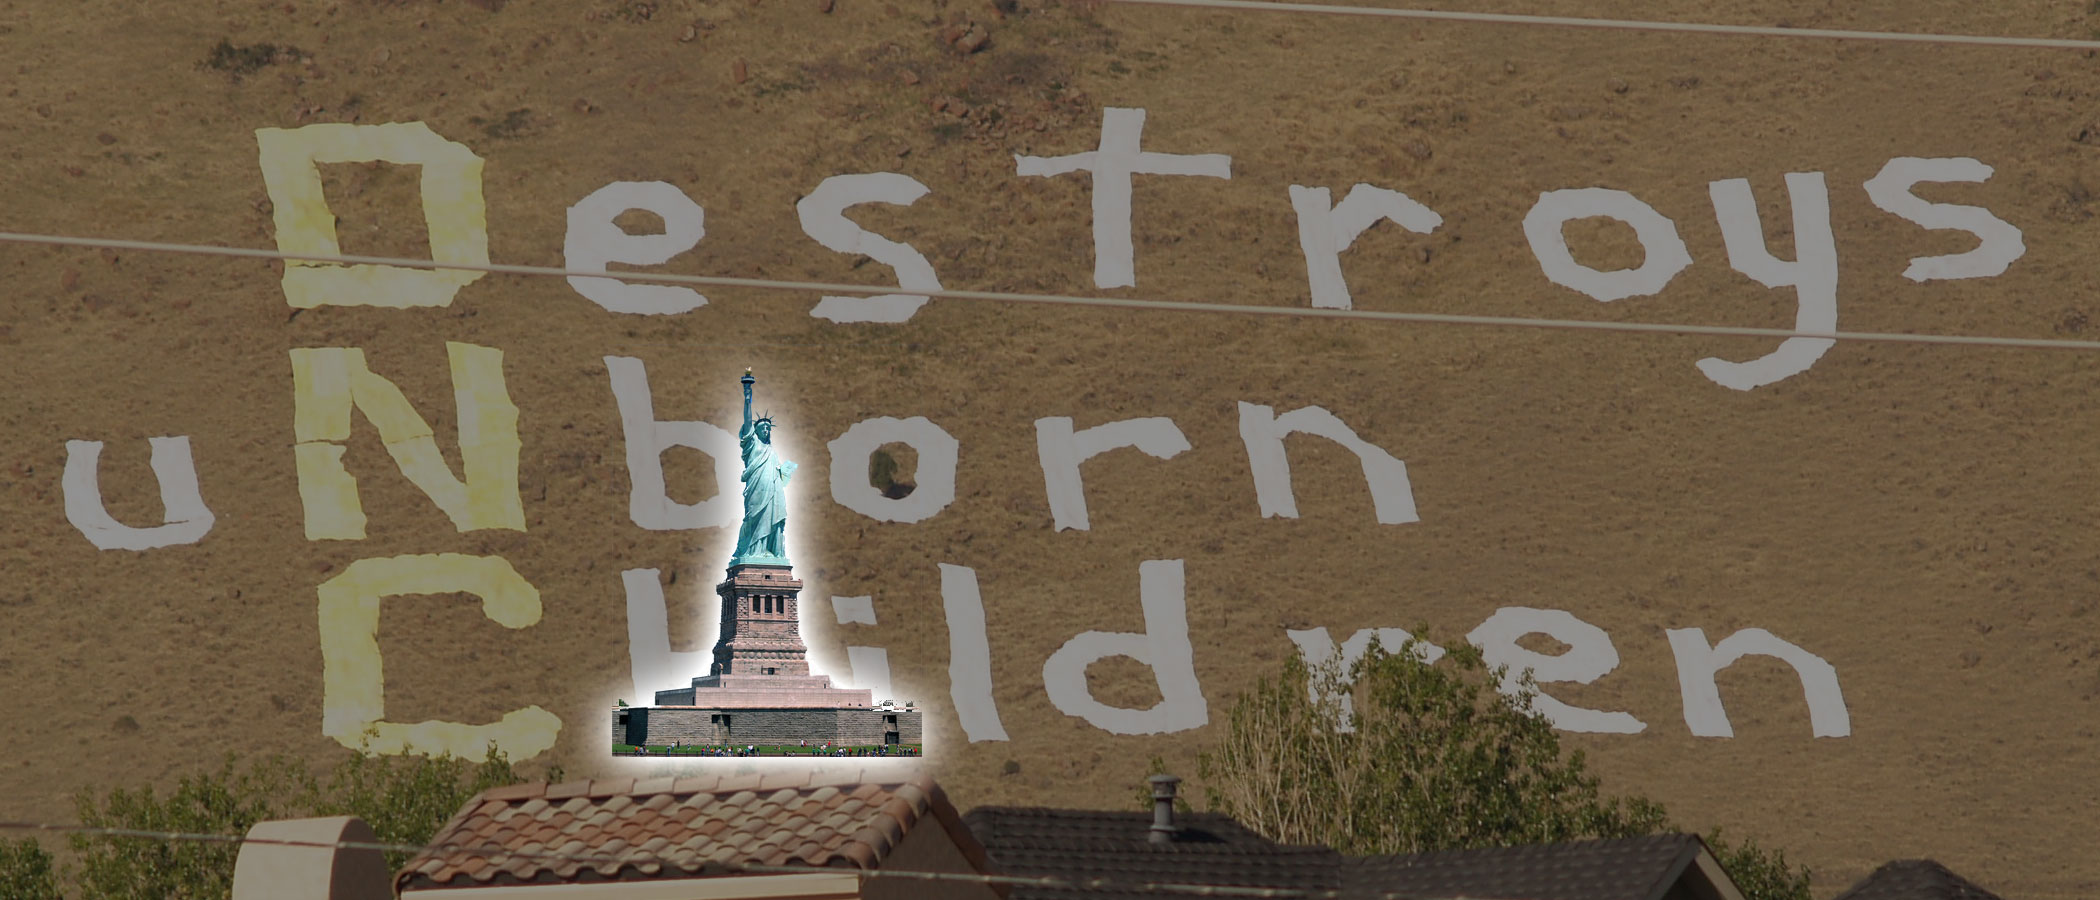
<point>353,705</point>
<point>453,211</point>
<point>328,381</point>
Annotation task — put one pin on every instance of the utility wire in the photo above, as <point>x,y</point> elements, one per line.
<point>1622,24</point>
<point>636,856</point>
<point>1295,312</point>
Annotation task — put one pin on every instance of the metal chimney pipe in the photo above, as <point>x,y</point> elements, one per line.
<point>1163,826</point>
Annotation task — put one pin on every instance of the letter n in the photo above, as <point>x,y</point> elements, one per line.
<point>1263,431</point>
<point>328,381</point>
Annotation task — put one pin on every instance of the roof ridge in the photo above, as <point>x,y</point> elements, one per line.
<point>1686,857</point>
<point>1886,880</point>
<point>1657,838</point>
<point>695,824</point>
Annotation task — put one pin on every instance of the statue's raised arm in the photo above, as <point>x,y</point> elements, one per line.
<point>748,381</point>
<point>762,538</point>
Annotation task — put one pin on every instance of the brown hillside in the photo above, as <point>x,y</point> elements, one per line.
<point>1920,517</point>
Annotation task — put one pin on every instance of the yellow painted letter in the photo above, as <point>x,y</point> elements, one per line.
<point>453,212</point>
<point>328,381</point>
<point>353,686</point>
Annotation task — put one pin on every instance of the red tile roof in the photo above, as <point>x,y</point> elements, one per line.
<point>687,827</point>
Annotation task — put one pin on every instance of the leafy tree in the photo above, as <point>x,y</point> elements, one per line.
<point>26,872</point>
<point>405,800</point>
<point>228,802</point>
<point>1427,758</point>
<point>1158,766</point>
<point>1761,874</point>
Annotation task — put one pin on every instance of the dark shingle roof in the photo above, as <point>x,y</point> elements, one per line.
<point>1078,844</point>
<point>1639,868</point>
<point>1915,879</point>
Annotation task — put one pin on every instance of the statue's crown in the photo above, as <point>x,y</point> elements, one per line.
<point>767,419</point>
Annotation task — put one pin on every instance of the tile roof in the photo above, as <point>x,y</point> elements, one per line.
<point>1915,879</point>
<point>1076,845</point>
<point>1638,868</point>
<point>681,828</point>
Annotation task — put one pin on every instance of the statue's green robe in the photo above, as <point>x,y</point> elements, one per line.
<point>763,534</point>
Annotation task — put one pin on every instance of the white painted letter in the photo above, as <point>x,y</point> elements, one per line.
<point>1657,234</point>
<point>1590,655</point>
<point>353,683</point>
<point>184,514</point>
<point>870,665</point>
<point>1061,450</point>
<point>853,610</point>
<point>650,658</point>
<point>1263,431</point>
<point>969,656</point>
<point>454,213</point>
<point>1323,233</point>
<point>594,240</point>
<point>935,476</point>
<point>870,668</point>
<point>649,503</point>
<point>1998,241</point>
<point>1164,647</point>
<point>823,215</point>
<point>1111,165</point>
<point>1813,274</point>
<point>328,382</point>
<point>1697,663</point>
<point>1318,649</point>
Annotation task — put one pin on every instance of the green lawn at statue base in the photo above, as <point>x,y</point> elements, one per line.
<point>875,750</point>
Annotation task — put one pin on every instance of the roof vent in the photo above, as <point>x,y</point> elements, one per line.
<point>1163,826</point>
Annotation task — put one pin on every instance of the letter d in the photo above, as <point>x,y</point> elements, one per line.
<point>1164,647</point>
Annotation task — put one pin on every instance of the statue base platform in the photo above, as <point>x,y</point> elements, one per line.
<point>766,692</point>
<point>663,726</point>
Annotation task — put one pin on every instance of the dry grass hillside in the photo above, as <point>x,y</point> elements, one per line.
<point>1921,517</point>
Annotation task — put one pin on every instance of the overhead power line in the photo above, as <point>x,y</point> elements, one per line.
<point>637,856</point>
<point>1622,24</point>
<point>1294,312</point>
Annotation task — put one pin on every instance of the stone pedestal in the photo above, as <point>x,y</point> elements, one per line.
<point>760,660</point>
<point>760,688</point>
<point>761,634</point>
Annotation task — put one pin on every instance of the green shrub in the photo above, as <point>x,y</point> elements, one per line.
<point>1762,875</point>
<point>1437,758</point>
<point>228,801</point>
<point>1158,766</point>
<point>26,872</point>
<point>405,799</point>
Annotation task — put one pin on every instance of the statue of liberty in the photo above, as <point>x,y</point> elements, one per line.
<point>763,536</point>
